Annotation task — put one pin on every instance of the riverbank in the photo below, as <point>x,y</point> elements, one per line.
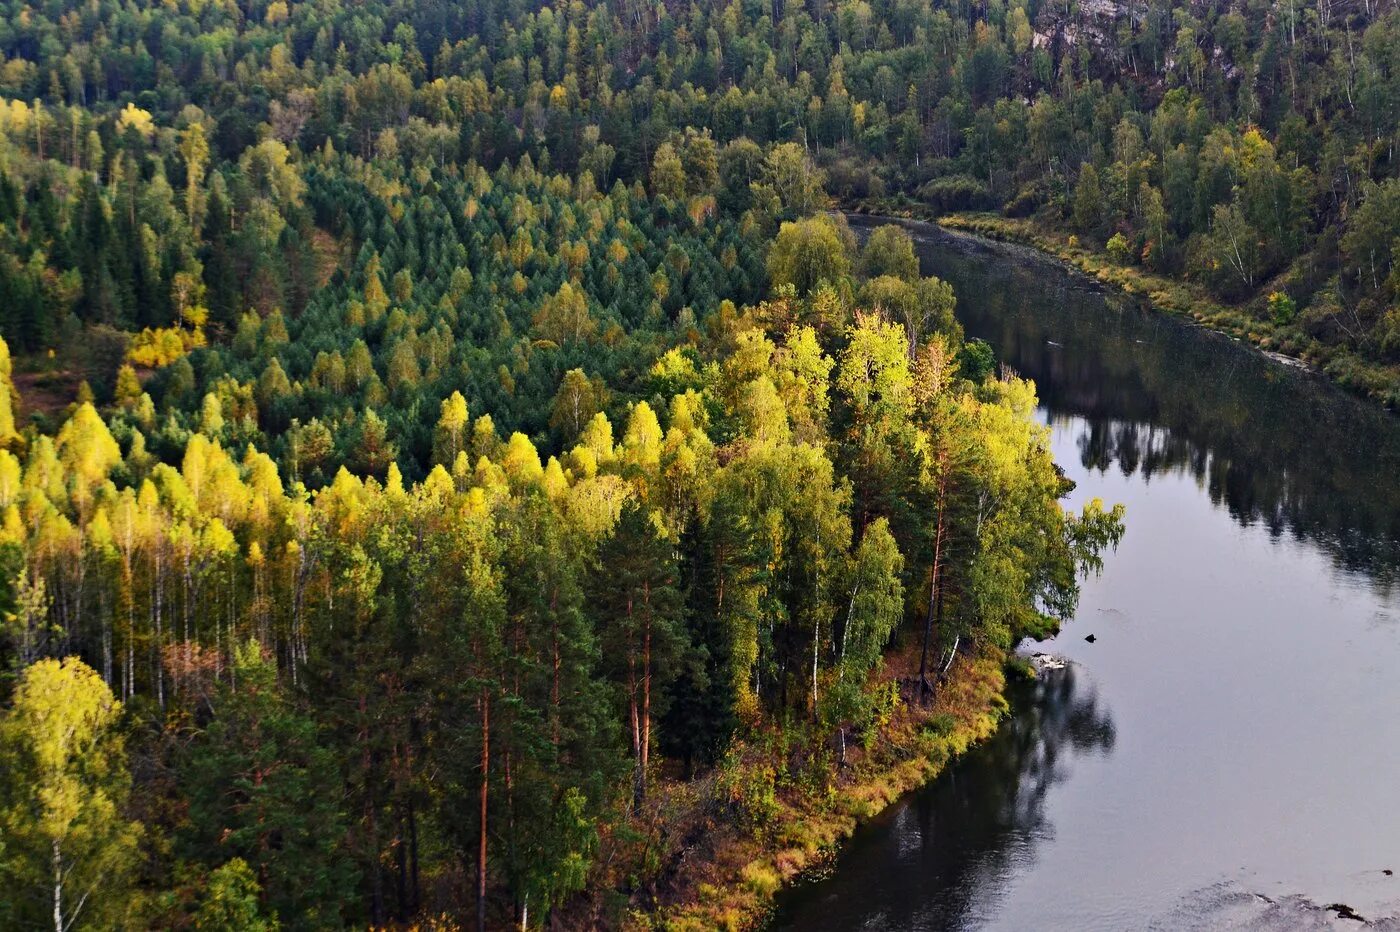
<point>716,851</point>
<point>1264,516</point>
<point>1286,343</point>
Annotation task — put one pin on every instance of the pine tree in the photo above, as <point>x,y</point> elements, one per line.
<point>639,622</point>
<point>263,788</point>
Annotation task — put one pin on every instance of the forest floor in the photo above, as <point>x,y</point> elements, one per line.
<point>714,852</point>
<point>1288,344</point>
<point>47,392</point>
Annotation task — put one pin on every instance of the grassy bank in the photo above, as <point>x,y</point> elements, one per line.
<point>713,853</point>
<point>1347,368</point>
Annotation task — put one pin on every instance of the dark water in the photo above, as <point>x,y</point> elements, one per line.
<point>1227,753</point>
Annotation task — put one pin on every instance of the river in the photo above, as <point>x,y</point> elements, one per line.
<point>1225,753</point>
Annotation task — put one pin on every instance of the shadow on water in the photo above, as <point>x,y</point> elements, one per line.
<point>960,838</point>
<point>1274,445</point>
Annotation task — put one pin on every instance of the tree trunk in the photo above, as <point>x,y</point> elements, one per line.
<point>635,715</point>
<point>371,827</point>
<point>481,852</point>
<point>158,597</point>
<point>841,662</point>
<point>646,708</point>
<point>414,888</point>
<point>401,866</point>
<point>554,686</point>
<point>57,887</point>
<point>938,535</point>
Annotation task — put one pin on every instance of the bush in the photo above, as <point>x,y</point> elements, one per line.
<point>849,180</point>
<point>941,724</point>
<point>1019,668</point>
<point>956,192</point>
<point>1027,201</point>
<point>749,791</point>
<point>761,878</point>
<point>977,360</point>
<point>1282,308</point>
<point>1119,249</point>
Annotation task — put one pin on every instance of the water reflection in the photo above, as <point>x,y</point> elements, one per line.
<point>1239,787</point>
<point>1354,518</point>
<point>1274,446</point>
<point>961,839</point>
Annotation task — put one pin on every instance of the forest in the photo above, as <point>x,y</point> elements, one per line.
<point>1248,147</point>
<point>456,472</point>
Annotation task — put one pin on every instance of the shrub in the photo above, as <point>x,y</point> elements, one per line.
<point>1282,308</point>
<point>1119,249</point>
<point>749,791</point>
<point>1027,201</point>
<point>955,192</point>
<point>941,724</point>
<point>977,360</point>
<point>761,878</point>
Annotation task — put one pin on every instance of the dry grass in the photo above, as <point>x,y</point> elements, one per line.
<point>46,392</point>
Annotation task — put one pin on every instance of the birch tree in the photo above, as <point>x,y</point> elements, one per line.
<point>70,854</point>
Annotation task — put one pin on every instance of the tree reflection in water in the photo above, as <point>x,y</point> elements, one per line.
<point>1268,443</point>
<point>939,857</point>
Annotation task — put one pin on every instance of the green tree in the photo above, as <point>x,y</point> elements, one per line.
<point>639,608</point>
<point>881,445</point>
<point>1233,247</point>
<point>889,251</point>
<point>667,173</point>
<point>195,149</point>
<point>70,854</point>
<point>1089,202</point>
<point>374,452</point>
<point>793,183</point>
<point>262,787</point>
<point>230,901</point>
<point>875,608</point>
<point>1372,235</point>
<point>575,403</point>
<point>1118,249</point>
<point>807,253</point>
<point>564,318</point>
<point>740,168</point>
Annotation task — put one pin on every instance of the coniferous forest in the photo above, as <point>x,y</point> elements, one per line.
<point>457,472</point>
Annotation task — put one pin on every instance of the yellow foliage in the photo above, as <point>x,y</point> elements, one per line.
<point>133,117</point>
<point>154,347</point>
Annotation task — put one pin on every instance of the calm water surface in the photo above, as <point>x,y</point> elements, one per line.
<point>1227,753</point>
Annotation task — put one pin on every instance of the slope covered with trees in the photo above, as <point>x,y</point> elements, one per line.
<point>448,458</point>
<point>1249,146</point>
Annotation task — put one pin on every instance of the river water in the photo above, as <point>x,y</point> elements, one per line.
<point>1226,753</point>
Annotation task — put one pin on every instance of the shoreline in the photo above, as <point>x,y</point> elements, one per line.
<point>737,885</point>
<point>1364,378</point>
